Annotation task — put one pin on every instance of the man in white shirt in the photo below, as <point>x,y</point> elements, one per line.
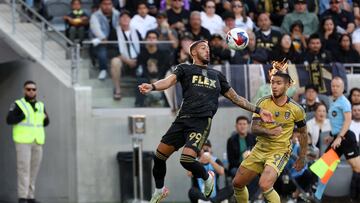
<point>210,20</point>
<point>142,21</point>
<point>355,123</point>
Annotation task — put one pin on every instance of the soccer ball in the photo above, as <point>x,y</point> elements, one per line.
<point>237,39</point>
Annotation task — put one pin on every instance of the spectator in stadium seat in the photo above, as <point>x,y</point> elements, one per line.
<point>219,54</point>
<point>239,144</point>
<point>142,21</point>
<point>103,25</point>
<point>342,18</point>
<point>311,99</point>
<point>355,36</point>
<point>354,96</point>
<point>315,52</point>
<point>346,53</point>
<point>182,54</point>
<point>76,22</point>
<point>178,17</point>
<point>297,36</point>
<point>285,50</point>
<point>266,37</point>
<point>276,8</point>
<point>229,20</point>
<point>195,28</point>
<point>166,33</point>
<point>129,48</point>
<point>317,125</point>
<point>241,19</point>
<point>309,20</point>
<point>210,20</point>
<point>329,36</point>
<point>152,65</point>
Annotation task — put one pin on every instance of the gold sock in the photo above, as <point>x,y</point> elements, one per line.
<point>272,196</point>
<point>241,195</point>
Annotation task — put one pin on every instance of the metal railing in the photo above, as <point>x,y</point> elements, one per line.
<point>20,10</point>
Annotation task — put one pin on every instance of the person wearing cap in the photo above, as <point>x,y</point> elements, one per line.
<point>214,164</point>
<point>219,53</point>
<point>273,147</point>
<point>166,33</point>
<point>129,48</point>
<point>344,19</point>
<point>311,99</point>
<point>310,20</point>
<point>142,21</point>
<point>201,88</point>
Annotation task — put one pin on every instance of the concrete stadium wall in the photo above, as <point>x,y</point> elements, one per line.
<point>55,181</point>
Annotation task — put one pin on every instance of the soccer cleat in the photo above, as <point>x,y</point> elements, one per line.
<point>209,185</point>
<point>158,196</point>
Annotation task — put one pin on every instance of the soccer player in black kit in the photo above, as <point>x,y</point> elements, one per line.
<point>201,89</point>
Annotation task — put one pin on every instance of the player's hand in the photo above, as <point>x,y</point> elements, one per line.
<point>205,157</point>
<point>275,131</point>
<point>145,88</point>
<point>299,163</point>
<point>337,142</point>
<point>266,116</point>
<point>328,139</point>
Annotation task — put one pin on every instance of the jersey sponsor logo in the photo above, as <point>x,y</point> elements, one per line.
<point>334,113</point>
<point>277,114</point>
<point>203,81</point>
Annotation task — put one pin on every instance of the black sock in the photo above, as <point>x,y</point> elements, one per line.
<point>190,164</point>
<point>159,169</point>
<point>355,185</point>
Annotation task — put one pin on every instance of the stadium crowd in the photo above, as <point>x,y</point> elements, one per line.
<point>302,31</point>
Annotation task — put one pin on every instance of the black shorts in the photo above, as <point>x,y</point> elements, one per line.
<point>188,131</point>
<point>348,146</point>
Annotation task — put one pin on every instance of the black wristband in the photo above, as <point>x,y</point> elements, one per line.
<point>257,110</point>
<point>153,87</point>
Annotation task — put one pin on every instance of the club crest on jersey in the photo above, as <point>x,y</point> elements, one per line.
<point>203,81</point>
<point>204,72</point>
<point>287,115</point>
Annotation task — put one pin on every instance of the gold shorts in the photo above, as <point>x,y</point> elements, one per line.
<point>259,158</point>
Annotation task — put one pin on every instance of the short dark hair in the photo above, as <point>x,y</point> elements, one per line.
<point>318,104</point>
<point>311,86</point>
<point>355,89</point>
<point>28,82</point>
<point>125,12</point>
<point>239,118</point>
<point>152,32</point>
<point>73,1</point>
<point>105,0</point>
<point>297,23</point>
<point>141,3</point>
<point>314,36</point>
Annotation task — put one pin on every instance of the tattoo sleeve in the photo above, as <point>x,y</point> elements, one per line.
<point>257,129</point>
<point>303,139</point>
<point>239,101</point>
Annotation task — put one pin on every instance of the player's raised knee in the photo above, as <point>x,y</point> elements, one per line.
<point>237,183</point>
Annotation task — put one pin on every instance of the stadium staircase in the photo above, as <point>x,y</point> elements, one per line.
<point>57,59</point>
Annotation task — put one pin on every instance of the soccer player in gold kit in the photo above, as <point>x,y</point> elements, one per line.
<point>273,148</point>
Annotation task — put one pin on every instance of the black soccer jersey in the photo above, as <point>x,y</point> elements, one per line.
<point>201,89</point>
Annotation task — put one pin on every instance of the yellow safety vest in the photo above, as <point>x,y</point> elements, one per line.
<point>31,128</point>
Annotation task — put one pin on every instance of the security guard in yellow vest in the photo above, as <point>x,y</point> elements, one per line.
<point>28,117</point>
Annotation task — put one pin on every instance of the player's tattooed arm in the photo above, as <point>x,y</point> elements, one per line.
<point>239,100</point>
<point>303,140</point>
<point>259,130</point>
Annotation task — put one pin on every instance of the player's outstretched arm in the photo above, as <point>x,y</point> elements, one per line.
<point>245,104</point>
<point>303,140</point>
<point>259,130</point>
<point>159,85</point>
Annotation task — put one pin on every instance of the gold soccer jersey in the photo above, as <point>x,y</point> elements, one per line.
<point>275,150</point>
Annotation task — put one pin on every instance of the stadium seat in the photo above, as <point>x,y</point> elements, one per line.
<point>56,11</point>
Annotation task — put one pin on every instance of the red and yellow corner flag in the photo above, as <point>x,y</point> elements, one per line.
<point>324,167</point>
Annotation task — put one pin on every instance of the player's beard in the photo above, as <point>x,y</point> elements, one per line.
<point>204,60</point>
